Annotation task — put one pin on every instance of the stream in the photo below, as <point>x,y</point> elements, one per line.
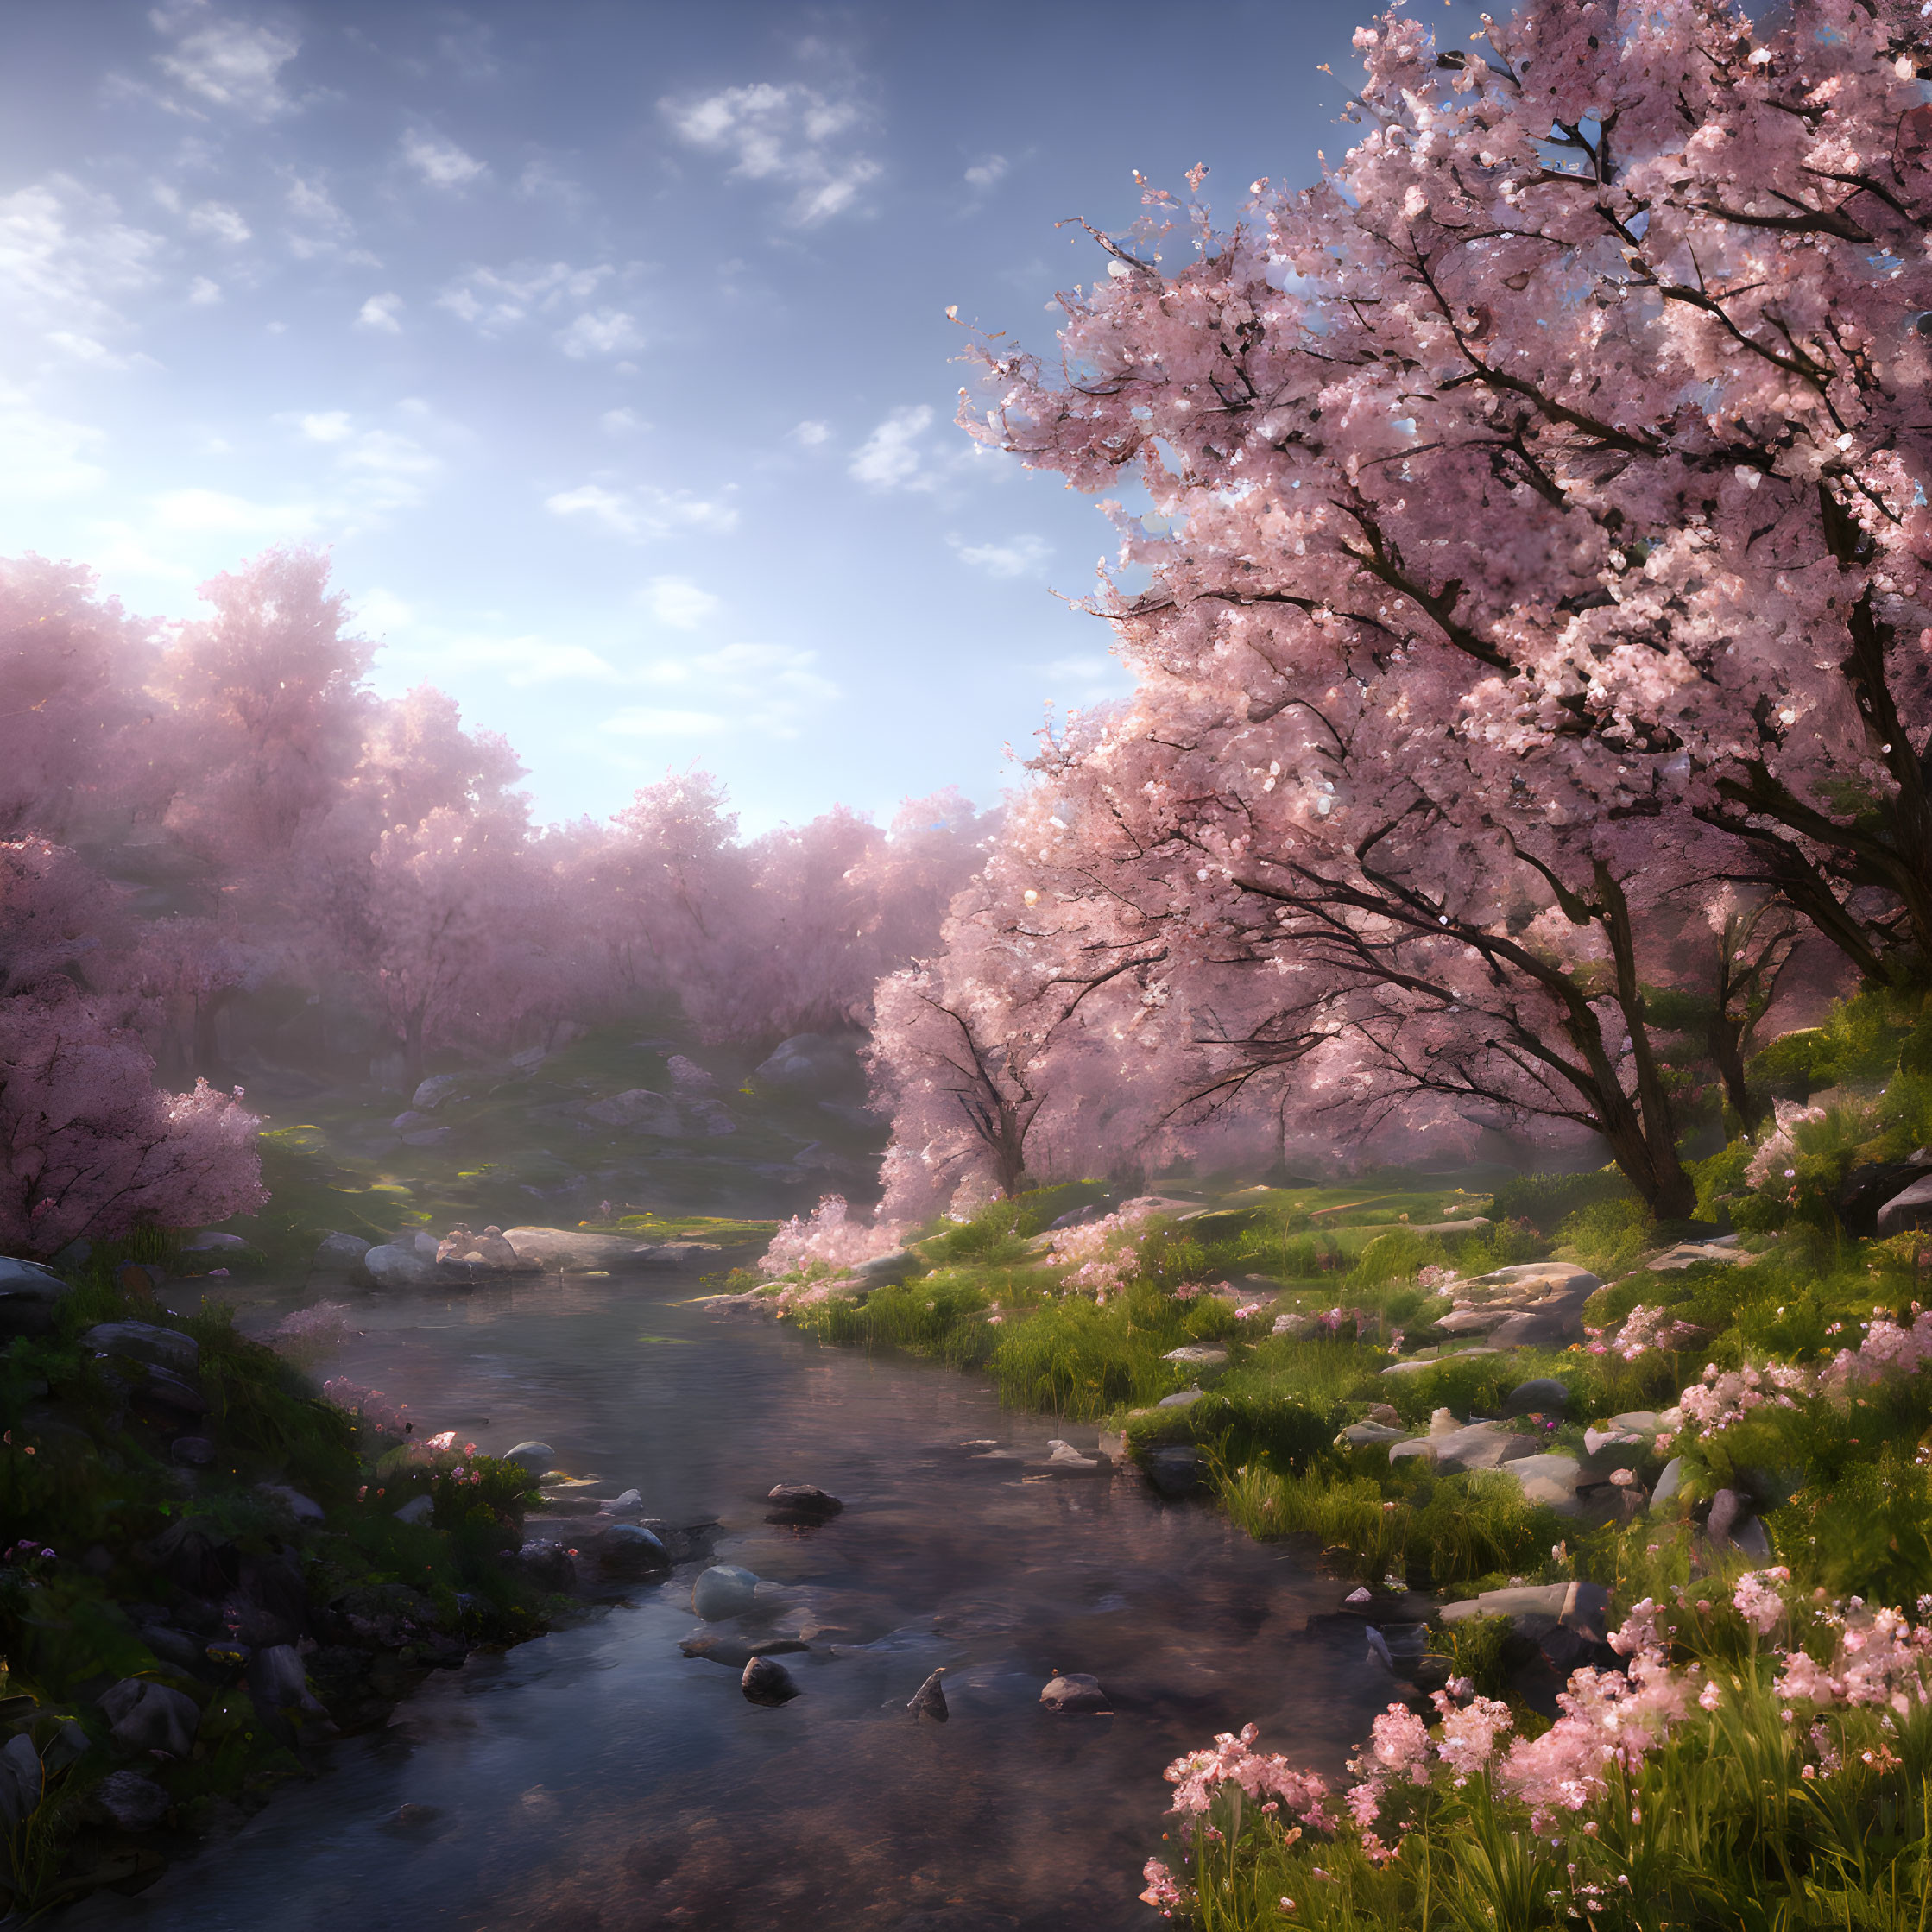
<point>597,1779</point>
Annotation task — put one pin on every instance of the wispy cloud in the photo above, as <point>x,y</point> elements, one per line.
<point>769,690</point>
<point>605,332</point>
<point>218,219</point>
<point>1022,556</point>
<point>644,513</point>
<point>792,135</point>
<point>375,469</point>
<point>891,457</point>
<point>378,314</point>
<point>221,61</point>
<point>987,172</point>
<point>679,603</point>
<point>67,262</point>
<point>441,163</point>
<point>810,435</point>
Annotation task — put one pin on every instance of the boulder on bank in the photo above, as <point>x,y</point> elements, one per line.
<point>535,1459</point>
<point>145,1342</point>
<point>1910,1207</point>
<point>342,1255</point>
<point>393,1265</point>
<point>146,1716</point>
<point>28,1294</point>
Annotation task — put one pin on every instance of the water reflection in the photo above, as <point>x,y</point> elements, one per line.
<point>599,1779</point>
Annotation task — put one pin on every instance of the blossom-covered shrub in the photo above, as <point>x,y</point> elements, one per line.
<point>1694,1785</point>
<point>829,1240</point>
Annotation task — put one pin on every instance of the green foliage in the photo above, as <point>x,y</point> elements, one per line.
<point>1396,1256</point>
<point>1607,1237</point>
<point>1716,1828</point>
<point>1546,1200</point>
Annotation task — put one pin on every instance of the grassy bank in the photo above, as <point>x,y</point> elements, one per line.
<point>190,1530</point>
<point>1780,1387</point>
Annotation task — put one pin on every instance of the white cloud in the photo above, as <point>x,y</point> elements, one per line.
<point>442,164</point>
<point>203,293</point>
<point>605,332</point>
<point>792,135</point>
<point>330,426</point>
<point>810,434</point>
<point>66,261</point>
<point>768,690</point>
<point>988,172</point>
<point>1018,557</point>
<point>644,513</point>
<point>496,300</point>
<point>378,314</point>
<point>890,459</point>
<point>214,512</point>
<point>228,63</point>
<point>530,660</point>
<point>375,469</point>
<point>218,219</point>
<point>679,603</point>
<point>620,422</point>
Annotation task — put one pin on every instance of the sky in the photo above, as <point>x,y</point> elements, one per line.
<point>607,345</point>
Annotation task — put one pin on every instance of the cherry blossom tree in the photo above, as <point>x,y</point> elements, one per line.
<point>88,1146</point>
<point>1503,488</point>
<point>77,737</point>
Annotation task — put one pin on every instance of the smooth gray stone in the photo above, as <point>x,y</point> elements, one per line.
<point>1549,1480</point>
<point>417,1510</point>
<point>337,1253</point>
<point>1175,1469</point>
<point>1420,1362</point>
<point>393,1265</point>
<point>1669,1483</point>
<point>304,1509</point>
<point>638,1110</point>
<point>1542,1394</point>
<point>1202,1355</point>
<point>1364,1434</point>
<point>1181,1398</point>
<point>724,1590</point>
<point>537,1459</point>
<point>277,1680</point>
<point>886,1270</point>
<point>440,1088</point>
<point>1911,1208</point>
<point>147,1716</point>
<point>145,1342</point>
<point>20,1779</point>
<point>735,1652</point>
<point>1074,1690</point>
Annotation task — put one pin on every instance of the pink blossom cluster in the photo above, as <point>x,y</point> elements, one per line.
<point>1437,1278</point>
<point>1720,1400</point>
<point>1889,1347</point>
<point>1098,1256</point>
<point>828,1238</point>
<point>1882,1660</point>
<point>1758,1600</point>
<point>1645,1329</point>
<point>1199,1778</point>
<point>1608,1719</point>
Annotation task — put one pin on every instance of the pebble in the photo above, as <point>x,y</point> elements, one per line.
<point>1074,1690</point>
<point>537,1458</point>
<point>803,1503</point>
<point>930,1699</point>
<point>767,1682</point>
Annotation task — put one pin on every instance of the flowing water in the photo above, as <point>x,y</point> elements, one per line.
<point>597,1778</point>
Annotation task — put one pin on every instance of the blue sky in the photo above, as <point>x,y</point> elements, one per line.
<point>607,344</point>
